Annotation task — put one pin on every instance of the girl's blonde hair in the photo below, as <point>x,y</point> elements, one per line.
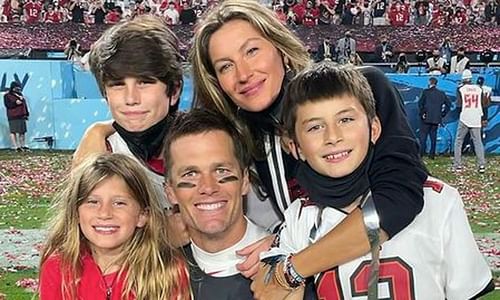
<point>207,91</point>
<point>154,269</point>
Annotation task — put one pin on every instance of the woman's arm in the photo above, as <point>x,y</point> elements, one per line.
<point>93,141</point>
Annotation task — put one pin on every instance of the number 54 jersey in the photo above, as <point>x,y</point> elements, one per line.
<point>435,257</point>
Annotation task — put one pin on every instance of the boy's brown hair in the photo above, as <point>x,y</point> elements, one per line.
<point>143,48</point>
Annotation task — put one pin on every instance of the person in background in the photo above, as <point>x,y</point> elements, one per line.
<point>346,47</point>
<point>470,102</point>
<point>325,51</point>
<point>402,65</point>
<point>487,94</point>
<point>436,65</point>
<point>433,105</point>
<point>383,51</point>
<point>459,62</point>
<point>17,115</point>
<point>73,51</point>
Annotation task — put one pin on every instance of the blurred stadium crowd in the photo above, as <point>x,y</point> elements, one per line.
<point>292,12</point>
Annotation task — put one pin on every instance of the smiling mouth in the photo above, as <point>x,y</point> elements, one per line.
<point>106,229</point>
<point>335,157</point>
<point>213,206</point>
<point>249,91</point>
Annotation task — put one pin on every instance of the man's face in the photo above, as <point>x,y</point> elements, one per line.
<point>138,103</point>
<point>208,183</point>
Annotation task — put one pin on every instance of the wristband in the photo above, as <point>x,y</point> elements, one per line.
<point>292,277</point>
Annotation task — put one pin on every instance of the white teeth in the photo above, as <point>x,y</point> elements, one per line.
<point>105,229</point>
<point>210,206</point>
<point>337,155</point>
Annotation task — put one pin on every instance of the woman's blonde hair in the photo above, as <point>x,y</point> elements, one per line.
<point>153,268</point>
<point>207,91</point>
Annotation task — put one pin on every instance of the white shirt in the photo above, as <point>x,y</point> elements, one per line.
<point>223,263</point>
<point>458,66</point>
<point>472,109</point>
<point>435,257</point>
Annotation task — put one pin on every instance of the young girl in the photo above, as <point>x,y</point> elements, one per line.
<point>108,238</point>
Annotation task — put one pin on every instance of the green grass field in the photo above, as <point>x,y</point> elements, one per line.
<point>28,181</point>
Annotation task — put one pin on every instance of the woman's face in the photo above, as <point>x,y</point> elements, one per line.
<point>249,67</point>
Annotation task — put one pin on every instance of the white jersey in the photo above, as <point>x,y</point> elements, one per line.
<point>458,66</point>
<point>118,145</point>
<point>435,257</point>
<point>440,63</point>
<point>472,109</point>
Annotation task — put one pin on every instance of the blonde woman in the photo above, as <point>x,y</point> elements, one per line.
<point>108,238</point>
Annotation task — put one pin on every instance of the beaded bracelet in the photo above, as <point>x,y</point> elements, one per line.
<point>292,277</point>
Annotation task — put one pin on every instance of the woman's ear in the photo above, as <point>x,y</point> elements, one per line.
<point>376,128</point>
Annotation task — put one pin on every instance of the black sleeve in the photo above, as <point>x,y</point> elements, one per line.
<point>396,173</point>
<point>421,103</point>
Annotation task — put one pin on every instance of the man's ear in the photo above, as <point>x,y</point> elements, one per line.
<point>376,128</point>
<point>295,150</point>
<point>175,94</point>
<point>246,185</point>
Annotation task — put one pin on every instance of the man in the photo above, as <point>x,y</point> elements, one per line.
<point>208,177</point>
<point>487,101</point>
<point>383,51</point>
<point>379,12</point>
<point>433,106</point>
<point>436,65</point>
<point>486,90</point>
<point>346,47</point>
<point>137,66</point>
<point>470,100</point>
<point>325,50</point>
<point>459,62</point>
<point>32,11</point>
<point>17,114</point>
